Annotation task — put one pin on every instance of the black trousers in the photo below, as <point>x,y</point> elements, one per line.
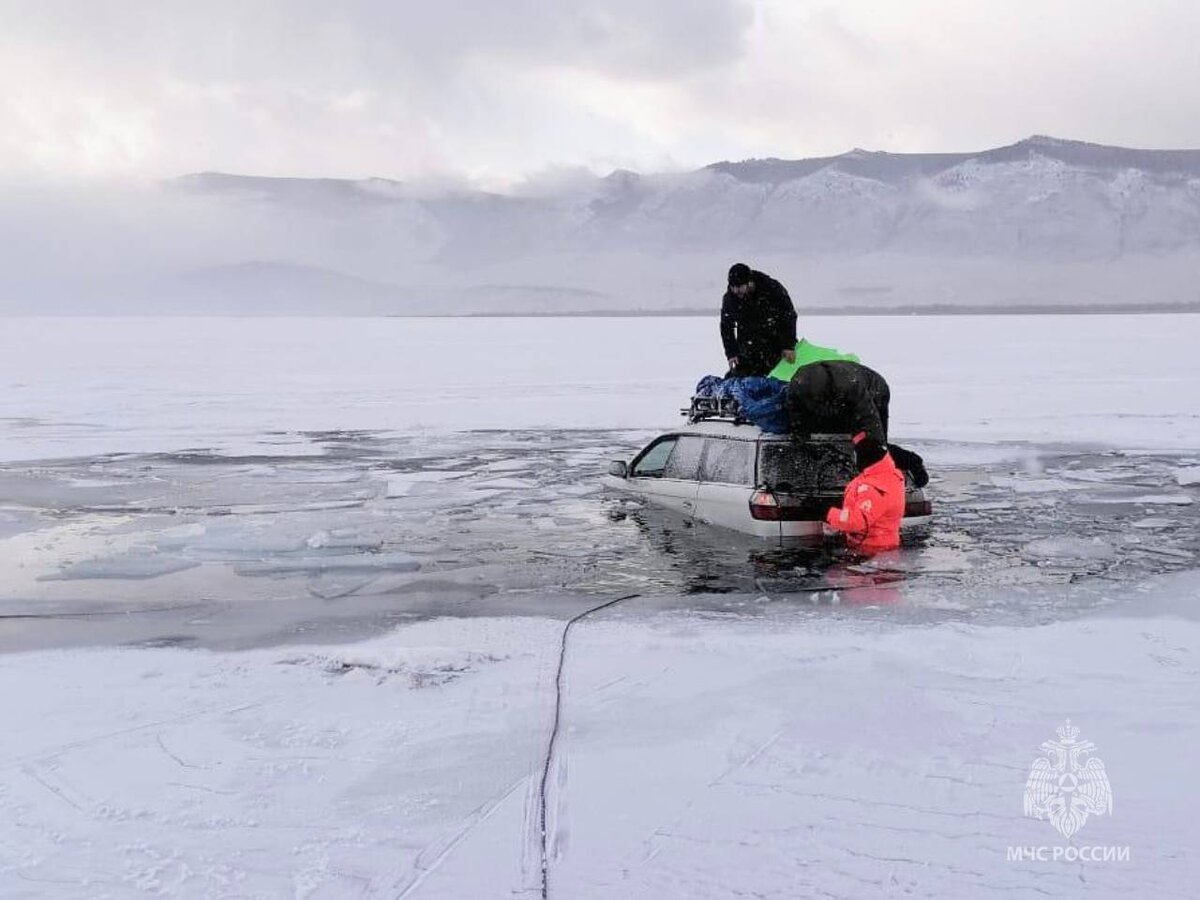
<point>754,365</point>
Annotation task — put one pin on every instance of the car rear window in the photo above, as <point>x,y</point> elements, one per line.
<point>803,468</point>
<point>728,462</point>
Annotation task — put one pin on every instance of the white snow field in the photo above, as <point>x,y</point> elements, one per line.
<point>74,387</point>
<point>871,741</point>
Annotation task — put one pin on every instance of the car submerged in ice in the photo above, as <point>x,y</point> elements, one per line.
<point>725,472</point>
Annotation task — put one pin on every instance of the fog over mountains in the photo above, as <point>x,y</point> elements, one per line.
<point>1043,223</point>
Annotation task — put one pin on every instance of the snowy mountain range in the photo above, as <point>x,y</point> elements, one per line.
<point>1043,223</point>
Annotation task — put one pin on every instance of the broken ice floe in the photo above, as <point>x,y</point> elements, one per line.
<point>1068,548</point>
<point>355,562</point>
<point>127,566</point>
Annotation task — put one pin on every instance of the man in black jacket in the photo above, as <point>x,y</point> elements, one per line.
<point>758,322</point>
<point>839,396</point>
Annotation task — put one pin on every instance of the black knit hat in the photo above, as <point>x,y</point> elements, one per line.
<point>867,452</point>
<point>739,274</point>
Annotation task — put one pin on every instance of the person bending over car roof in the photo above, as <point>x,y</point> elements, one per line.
<point>838,396</point>
<point>758,323</point>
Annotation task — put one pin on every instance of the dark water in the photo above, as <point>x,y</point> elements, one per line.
<point>369,530</point>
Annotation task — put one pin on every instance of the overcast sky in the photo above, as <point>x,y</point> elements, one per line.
<point>499,89</point>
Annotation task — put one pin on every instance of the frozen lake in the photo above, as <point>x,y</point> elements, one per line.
<point>229,482</point>
<point>81,387</point>
<point>284,601</point>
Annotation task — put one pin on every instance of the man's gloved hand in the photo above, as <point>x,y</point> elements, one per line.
<point>789,355</point>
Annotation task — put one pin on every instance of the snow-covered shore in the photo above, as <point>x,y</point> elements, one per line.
<point>699,757</point>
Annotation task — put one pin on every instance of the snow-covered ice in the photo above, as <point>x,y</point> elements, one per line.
<point>700,757</point>
<point>80,387</point>
<point>323,568</point>
<point>1188,476</point>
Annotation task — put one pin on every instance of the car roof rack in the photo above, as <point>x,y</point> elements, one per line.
<point>725,408</point>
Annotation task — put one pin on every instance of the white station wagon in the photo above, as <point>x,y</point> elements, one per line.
<point>737,476</point>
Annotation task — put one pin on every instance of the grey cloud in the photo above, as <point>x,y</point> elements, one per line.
<point>263,41</point>
<point>502,89</point>
<point>352,88</point>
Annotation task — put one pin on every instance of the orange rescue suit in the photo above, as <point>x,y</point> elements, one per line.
<point>872,509</point>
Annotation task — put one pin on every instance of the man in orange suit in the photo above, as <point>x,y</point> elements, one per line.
<point>874,501</point>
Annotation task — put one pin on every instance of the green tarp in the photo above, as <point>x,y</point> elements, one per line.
<point>806,354</point>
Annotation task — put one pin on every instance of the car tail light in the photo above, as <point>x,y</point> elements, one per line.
<point>772,507</point>
<point>764,506</point>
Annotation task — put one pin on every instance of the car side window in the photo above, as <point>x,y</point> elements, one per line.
<point>654,460</point>
<point>684,463</point>
<point>728,462</point>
